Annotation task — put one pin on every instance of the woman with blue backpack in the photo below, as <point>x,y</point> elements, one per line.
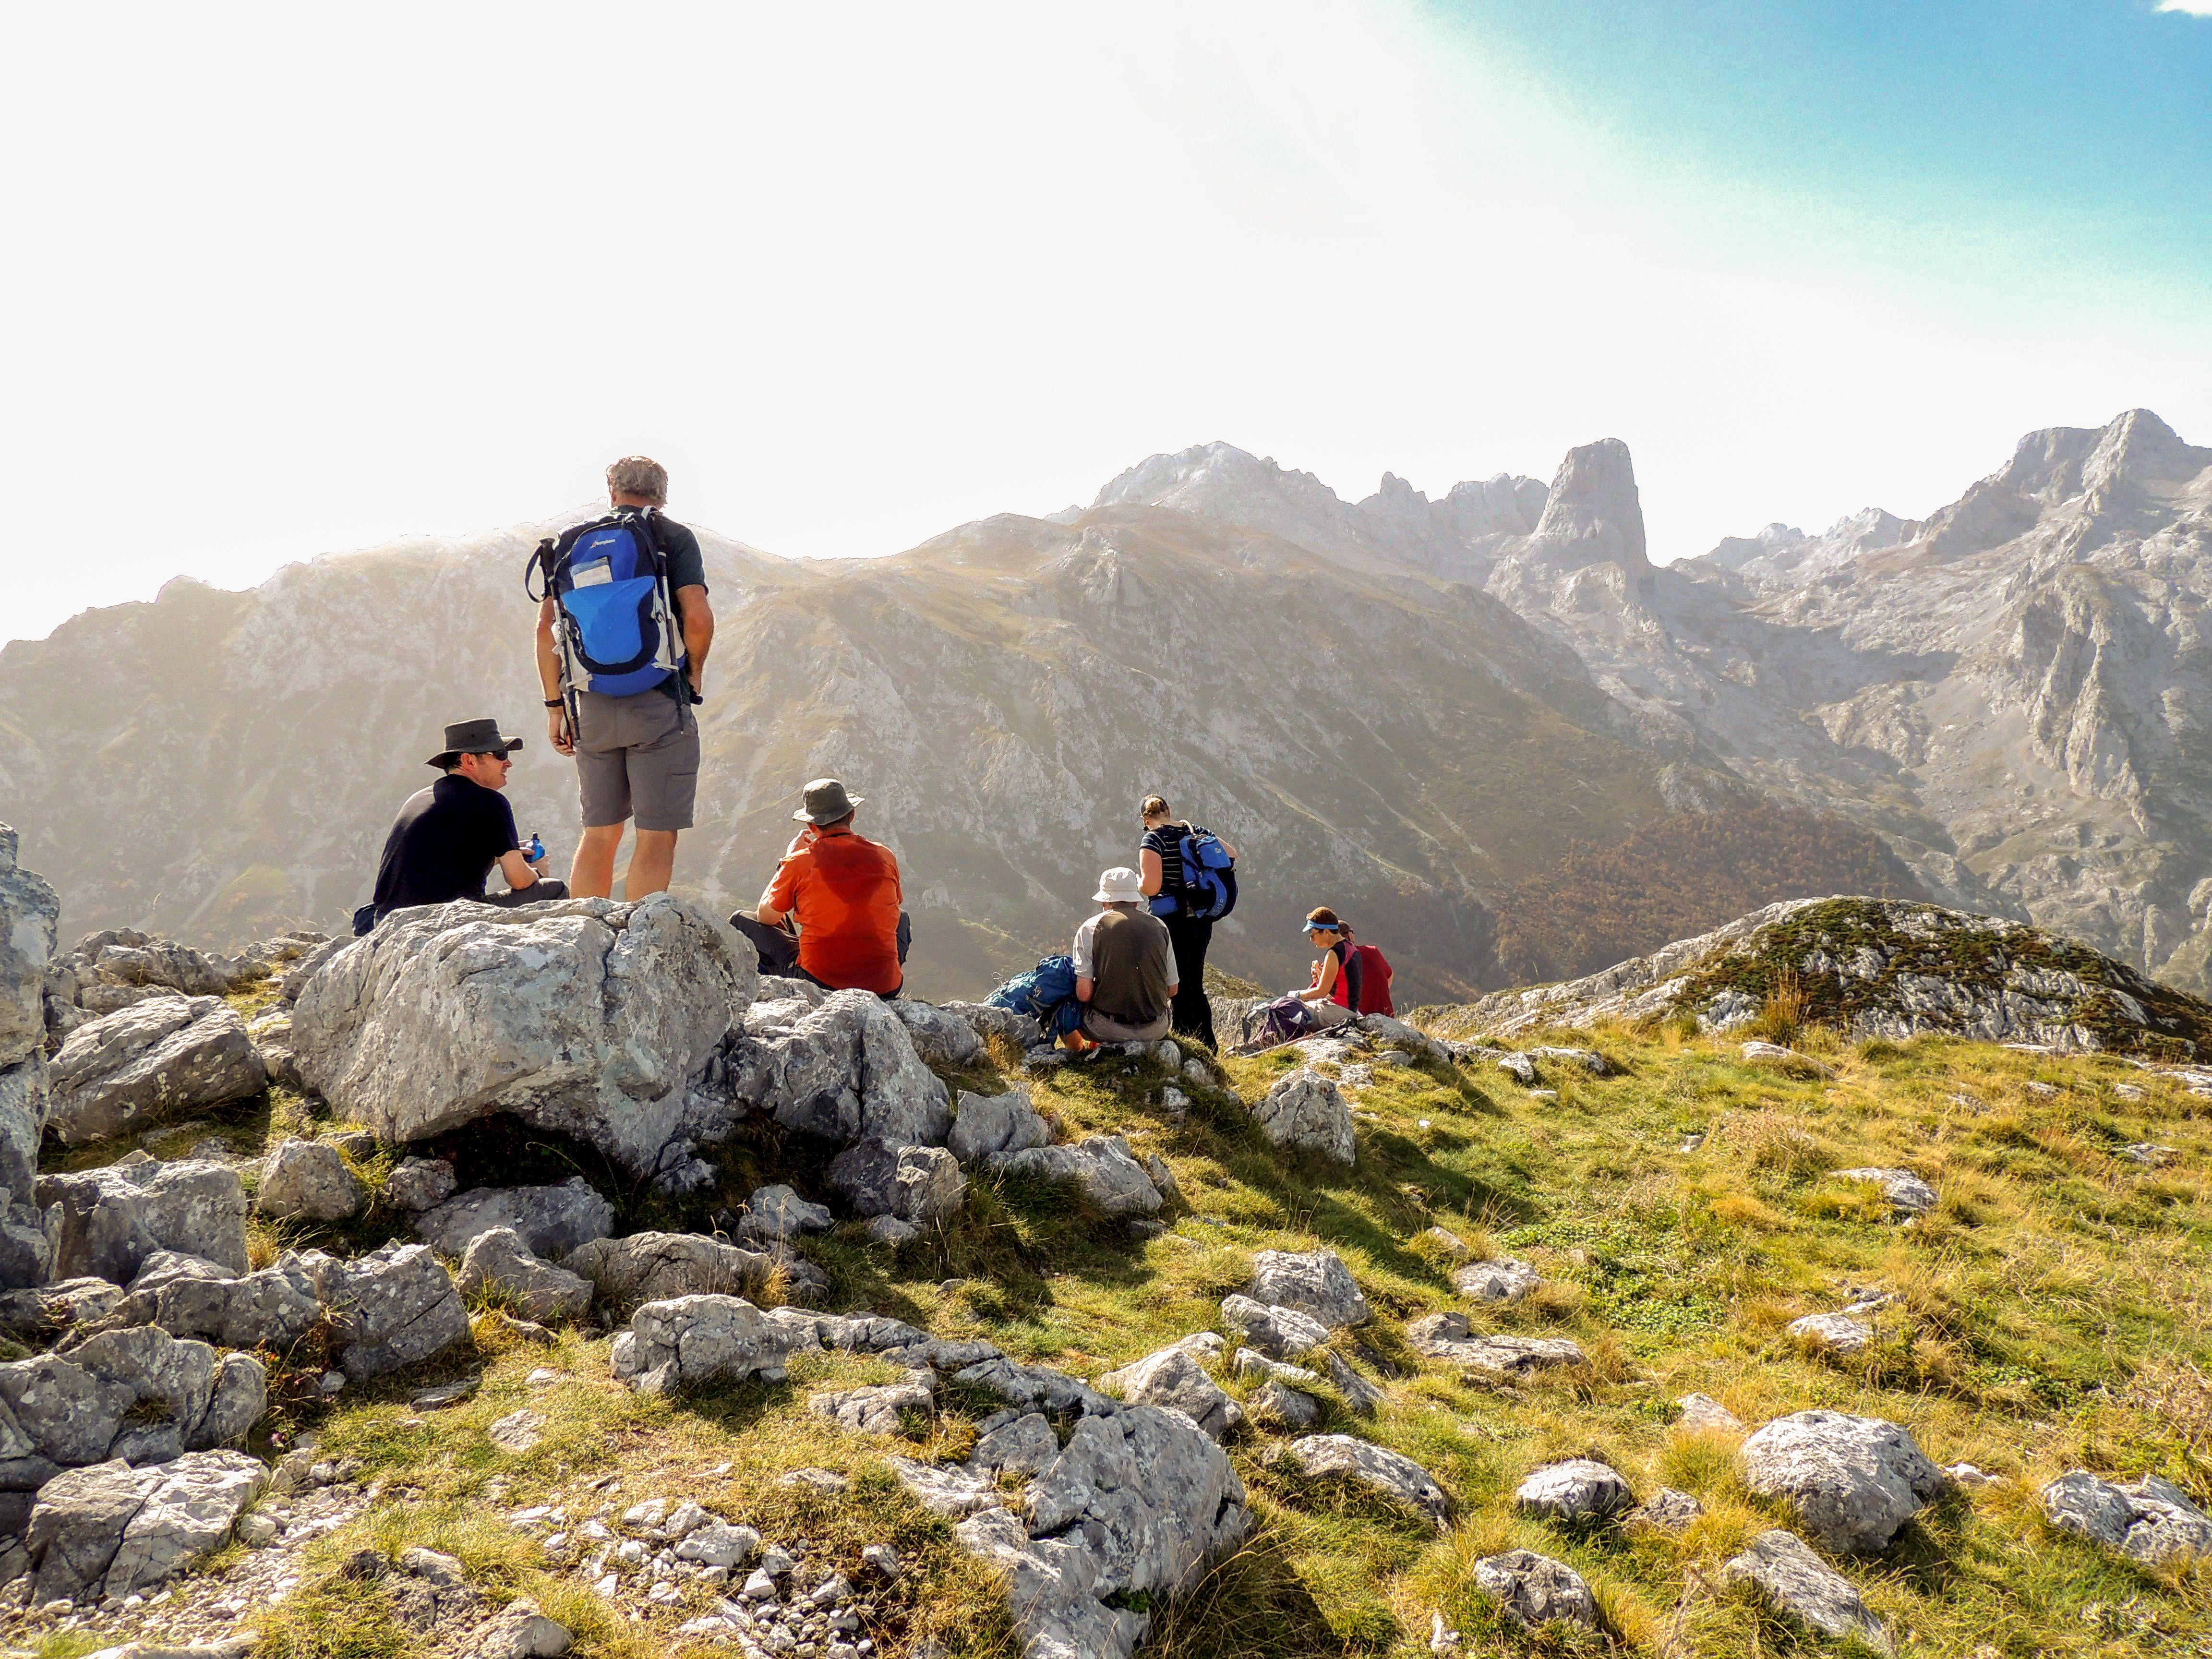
<point>1189,876</point>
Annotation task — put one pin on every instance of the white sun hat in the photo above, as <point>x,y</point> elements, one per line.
<point>1120,885</point>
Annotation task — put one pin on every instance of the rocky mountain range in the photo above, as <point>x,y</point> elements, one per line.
<point>1413,710</point>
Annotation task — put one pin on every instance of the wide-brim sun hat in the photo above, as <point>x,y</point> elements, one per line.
<point>1120,885</point>
<point>472,738</point>
<point>826,802</point>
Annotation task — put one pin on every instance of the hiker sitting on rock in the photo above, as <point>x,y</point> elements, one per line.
<point>1125,968</point>
<point>832,912</point>
<point>448,837</point>
<point>1335,992</point>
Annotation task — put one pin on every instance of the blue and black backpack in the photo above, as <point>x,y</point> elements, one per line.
<point>616,630</point>
<point>1209,879</point>
<point>1046,993</point>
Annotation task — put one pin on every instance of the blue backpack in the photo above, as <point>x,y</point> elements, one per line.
<point>1209,879</point>
<point>616,628</point>
<point>1046,993</point>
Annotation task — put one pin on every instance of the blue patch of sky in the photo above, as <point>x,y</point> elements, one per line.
<point>2028,139</point>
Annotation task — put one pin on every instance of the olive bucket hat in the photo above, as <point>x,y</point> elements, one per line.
<point>826,802</point>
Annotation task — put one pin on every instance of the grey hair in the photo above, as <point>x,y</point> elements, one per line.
<point>636,475</point>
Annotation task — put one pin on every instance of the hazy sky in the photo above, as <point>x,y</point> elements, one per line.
<point>287,279</point>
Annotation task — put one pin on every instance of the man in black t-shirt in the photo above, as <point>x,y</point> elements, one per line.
<point>448,837</point>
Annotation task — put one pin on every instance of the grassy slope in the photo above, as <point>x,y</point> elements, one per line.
<point>2050,1314</point>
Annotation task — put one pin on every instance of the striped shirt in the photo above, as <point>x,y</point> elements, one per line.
<point>1167,841</point>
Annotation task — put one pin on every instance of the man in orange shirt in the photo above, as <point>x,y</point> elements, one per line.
<point>842,890</point>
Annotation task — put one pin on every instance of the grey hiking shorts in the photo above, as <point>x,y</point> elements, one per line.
<point>636,757</point>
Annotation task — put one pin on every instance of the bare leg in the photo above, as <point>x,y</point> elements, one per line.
<point>591,872</point>
<point>652,862</point>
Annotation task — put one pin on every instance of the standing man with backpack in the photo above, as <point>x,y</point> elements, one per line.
<point>624,629</point>
<point>1189,875</point>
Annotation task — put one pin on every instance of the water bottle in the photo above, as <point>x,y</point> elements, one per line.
<point>536,848</point>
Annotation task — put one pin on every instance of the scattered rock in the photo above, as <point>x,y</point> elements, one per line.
<point>1446,1336</point>
<point>1014,1442</point>
<point>1501,1280</point>
<point>1907,1192</point>
<point>111,1530</point>
<point>111,1220</point>
<point>552,1221</point>
<point>878,1410</point>
<point>1102,1166</point>
<point>1855,1481</point>
<point>890,1230</point>
<point>1316,1282</point>
<point>387,1308</point>
<point>942,1040</point>
<point>520,1631</point>
<point>1589,1059</point>
<point>1442,1241</point>
<point>518,1431</point>
<point>1801,1586</point>
<point>582,1016</point>
<point>2149,1519</point>
<point>1278,1333</point>
<point>1389,1472</point>
<point>1533,1590</point>
<point>309,1179</point>
<point>1702,1412</point>
<point>780,1214</point>
<point>1665,1511</point>
<point>499,1260</point>
<point>1579,1490</point>
<point>1282,1405</point>
<point>1838,1332</point>
<point>1305,1111</point>
<point>661,1267</point>
<point>843,1070</point>
<point>419,1183</point>
<point>915,1183</point>
<point>697,1339</point>
<point>1176,1376</point>
<point>167,1057</point>
<point>882,1561</point>
<point>1361,1395</point>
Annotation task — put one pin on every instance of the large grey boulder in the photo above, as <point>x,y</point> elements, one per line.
<point>842,1070</point>
<point>186,1295</point>
<point>1101,1166</point>
<point>777,1214</point>
<point>1176,1377</point>
<point>552,1221</point>
<point>661,1267</point>
<point>583,1016</point>
<point>1535,1590</point>
<point>26,1255</point>
<point>29,912</point>
<point>983,1125</point>
<point>111,1530</point>
<point>1135,1507</point>
<point>1579,1490</point>
<point>387,1308</point>
<point>1392,1473</point>
<point>1446,1336</point>
<point>1854,1480</point>
<point>2149,1519</point>
<point>124,956</point>
<point>698,1339</point>
<point>140,1395</point>
<point>110,1220</point>
<point>1799,1585</point>
<point>915,1183</point>
<point>307,1179</point>
<point>1316,1282</point>
<point>1305,1111</point>
<point>1278,1333</point>
<point>499,1260</point>
<point>942,1040</point>
<point>166,1058</point>
<point>989,1021</point>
